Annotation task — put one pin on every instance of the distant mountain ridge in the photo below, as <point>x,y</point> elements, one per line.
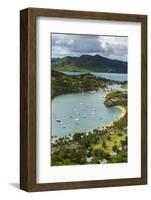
<point>95,63</point>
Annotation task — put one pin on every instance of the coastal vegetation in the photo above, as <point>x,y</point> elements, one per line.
<point>99,146</point>
<point>89,99</point>
<point>117,98</point>
<point>63,84</point>
<point>107,145</point>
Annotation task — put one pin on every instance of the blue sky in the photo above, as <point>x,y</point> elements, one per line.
<point>113,47</point>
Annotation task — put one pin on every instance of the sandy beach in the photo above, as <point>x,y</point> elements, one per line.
<point>123,112</point>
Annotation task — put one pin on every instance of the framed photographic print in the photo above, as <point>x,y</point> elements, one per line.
<point>83,99</point>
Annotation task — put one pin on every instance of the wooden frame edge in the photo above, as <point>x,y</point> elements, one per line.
<point>24,182</point>
<point>28,99</point>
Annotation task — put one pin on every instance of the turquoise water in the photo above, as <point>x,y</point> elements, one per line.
<point>79,113</point>
<point>111,76</point>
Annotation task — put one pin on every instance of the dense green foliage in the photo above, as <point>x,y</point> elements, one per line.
<point>116,98</point>
<point>95,63</point>
<point>62,84</point>
<point>107,145</point>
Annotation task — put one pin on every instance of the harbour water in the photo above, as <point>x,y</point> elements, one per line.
<point>111,76</point>
<point>79,112</point>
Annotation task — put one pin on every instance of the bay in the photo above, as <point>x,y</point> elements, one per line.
<point>76,112</point>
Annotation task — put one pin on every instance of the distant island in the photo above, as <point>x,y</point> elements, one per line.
<point>89,63</point>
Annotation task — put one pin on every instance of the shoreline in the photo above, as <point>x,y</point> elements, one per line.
<point>123,112</point>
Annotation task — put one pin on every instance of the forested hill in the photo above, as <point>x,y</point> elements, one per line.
<point>95,63</point>
<point>63,84</point>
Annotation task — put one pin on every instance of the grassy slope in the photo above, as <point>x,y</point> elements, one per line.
<point>114,139</point>
<point>101,143</point>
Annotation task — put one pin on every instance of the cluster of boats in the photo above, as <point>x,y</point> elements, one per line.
<point>78,113</point>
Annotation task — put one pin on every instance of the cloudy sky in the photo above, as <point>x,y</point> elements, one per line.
<point>77,45</point>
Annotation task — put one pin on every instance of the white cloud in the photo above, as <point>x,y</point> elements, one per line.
<point>75,45</point>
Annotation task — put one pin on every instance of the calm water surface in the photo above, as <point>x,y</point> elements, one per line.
<point>79,113</point>
<point>111,76</point>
